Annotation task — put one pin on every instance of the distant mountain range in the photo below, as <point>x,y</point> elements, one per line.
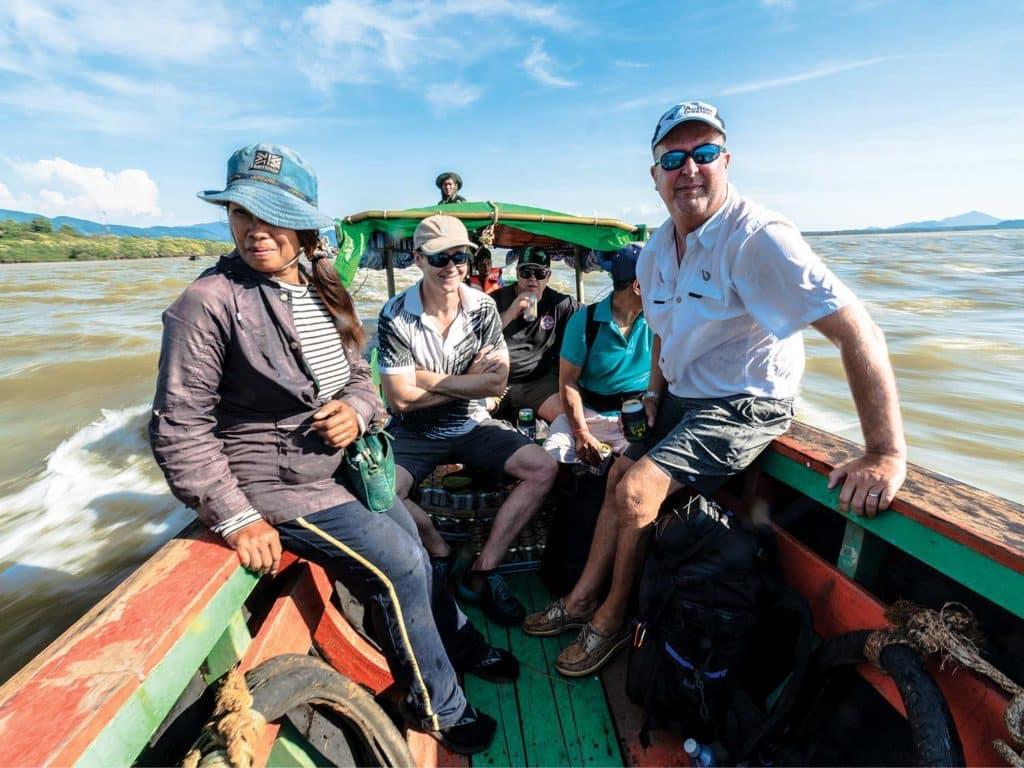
<point>219,231</point>
<point>215,230</point>
<point>969,220</point>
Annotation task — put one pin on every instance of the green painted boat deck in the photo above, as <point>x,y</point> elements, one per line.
<point>543,719</point>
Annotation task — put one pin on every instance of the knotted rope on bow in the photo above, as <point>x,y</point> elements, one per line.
<point>952,634</point>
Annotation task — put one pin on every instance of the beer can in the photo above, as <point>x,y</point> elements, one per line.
<point>606,460</point>
<point>634,420</point>
<point>530,313</point>
<point>526,423</point>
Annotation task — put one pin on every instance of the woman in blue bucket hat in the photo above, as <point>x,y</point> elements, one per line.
<point>261,385</point>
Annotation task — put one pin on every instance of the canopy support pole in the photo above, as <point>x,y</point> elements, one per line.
<point>579,255</point>
<point>389,265</point>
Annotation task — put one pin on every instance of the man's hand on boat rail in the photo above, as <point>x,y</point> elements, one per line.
<point>337,423</point>
<point>869,483</point>
<point>258,547</point>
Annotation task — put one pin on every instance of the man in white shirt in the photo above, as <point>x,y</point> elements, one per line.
<point>727,287</point>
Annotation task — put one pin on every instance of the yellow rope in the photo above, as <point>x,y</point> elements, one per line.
<point>229,738</point>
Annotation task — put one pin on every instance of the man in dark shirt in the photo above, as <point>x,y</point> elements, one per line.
<point>450,184</point>
<point>533,338</point>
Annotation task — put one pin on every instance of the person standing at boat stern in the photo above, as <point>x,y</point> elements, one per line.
<point>727,287</point>
<point>261,385</point>
<point>441,355</point>
<point>450,183</point>
<point>534,317</point>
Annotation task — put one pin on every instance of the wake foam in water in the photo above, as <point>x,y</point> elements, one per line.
<point>101,498</point>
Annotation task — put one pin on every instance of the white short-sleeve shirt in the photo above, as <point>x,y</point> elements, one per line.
<point>730,315</point>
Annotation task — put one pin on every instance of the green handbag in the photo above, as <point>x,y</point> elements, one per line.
<point>368,470</point>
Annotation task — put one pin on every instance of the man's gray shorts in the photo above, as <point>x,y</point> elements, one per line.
<point>486,447</point>
<point>704,442</point>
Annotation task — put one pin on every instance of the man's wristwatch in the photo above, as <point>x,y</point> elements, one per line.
<point>650,394</point>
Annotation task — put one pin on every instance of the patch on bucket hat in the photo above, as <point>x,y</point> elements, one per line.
<point>266,161</point>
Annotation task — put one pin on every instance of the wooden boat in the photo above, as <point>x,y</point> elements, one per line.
<point>133,680</point>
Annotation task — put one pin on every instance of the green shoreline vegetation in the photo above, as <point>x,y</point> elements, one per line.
<point>35,240</point>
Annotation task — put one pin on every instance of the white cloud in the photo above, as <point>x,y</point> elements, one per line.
<point>778,5</point>
<point>538,65</point>
<point>364,41</point>
<point>813,74</point>
<point>86,110</point>
<point>446,95</point>
<point>58,187</point>
<point>145,30</point>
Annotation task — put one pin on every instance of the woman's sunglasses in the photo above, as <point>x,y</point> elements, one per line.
<point>540,273</point>
<point>702,155</point>
<point>441,259</point>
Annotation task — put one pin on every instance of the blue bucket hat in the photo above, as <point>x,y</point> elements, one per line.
<point>273,183</point>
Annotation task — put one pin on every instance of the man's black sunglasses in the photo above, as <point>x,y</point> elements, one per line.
<point>441,259</point>
<point>702,155</point>
<point>540,273</point>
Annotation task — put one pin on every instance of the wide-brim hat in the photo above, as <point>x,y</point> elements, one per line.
<point>687,112</point>
<point>448,175</point>
<point>439,233</point>
<point>274,184</point>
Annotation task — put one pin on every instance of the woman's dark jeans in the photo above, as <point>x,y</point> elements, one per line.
<point>379,558</point>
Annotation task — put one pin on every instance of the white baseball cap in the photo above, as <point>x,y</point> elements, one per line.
<point>688,111</point>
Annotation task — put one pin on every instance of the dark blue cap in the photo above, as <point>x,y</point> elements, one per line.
<point>624,263</point>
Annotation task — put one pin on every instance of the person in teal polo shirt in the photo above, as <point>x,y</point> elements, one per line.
<point>593,382</point>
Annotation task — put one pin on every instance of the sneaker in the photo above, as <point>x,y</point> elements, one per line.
<point>497,666</point>
<point>590,651</point>
<point>473,733</point>
<point>554,620</point>
<point>489,590</point>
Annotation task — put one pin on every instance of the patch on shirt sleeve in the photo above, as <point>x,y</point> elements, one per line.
<point>266,161</point>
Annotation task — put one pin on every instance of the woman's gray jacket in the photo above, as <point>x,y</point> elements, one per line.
<point>234,401</point>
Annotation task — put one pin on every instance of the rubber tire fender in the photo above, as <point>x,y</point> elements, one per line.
<point>932,729</point>
<point>283,682</point>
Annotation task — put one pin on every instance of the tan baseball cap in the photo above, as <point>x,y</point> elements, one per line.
<point>439,233</point>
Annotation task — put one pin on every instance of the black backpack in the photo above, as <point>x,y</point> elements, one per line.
<point>707,589</point>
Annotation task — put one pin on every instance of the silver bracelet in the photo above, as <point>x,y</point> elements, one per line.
<point>650,394</point>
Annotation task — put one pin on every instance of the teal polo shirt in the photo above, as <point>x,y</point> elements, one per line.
<point>615,364</point>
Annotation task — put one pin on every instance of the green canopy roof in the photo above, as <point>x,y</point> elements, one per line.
<point>513,226</point>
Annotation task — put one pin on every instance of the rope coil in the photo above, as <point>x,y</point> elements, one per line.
<point>233,729</point>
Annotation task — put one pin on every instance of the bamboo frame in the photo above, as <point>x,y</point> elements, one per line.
<point>495,216</point>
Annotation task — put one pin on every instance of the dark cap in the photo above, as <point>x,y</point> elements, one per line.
<point>624,263</point>
<point>532,255</point>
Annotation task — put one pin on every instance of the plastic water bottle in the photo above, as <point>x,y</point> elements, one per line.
<point>700,754</point>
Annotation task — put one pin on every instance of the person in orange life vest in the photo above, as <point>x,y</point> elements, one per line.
<point>483,276</point>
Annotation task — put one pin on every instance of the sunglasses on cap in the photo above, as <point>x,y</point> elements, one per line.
<point>441,259</point>
<point>702,155</point>
<point>540,273</point>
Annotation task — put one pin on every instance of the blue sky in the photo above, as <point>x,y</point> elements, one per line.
<point>840,114</point>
